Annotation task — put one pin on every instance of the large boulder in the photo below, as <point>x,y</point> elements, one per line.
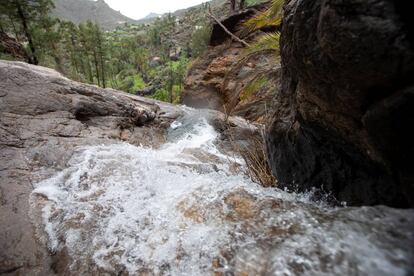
<point>44,118</point>
<point>344,116</point>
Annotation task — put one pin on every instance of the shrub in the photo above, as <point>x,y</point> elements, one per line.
<point>132,83</point>
<point>138,83</point>
<point>161,95</point>
<point>200,40</point>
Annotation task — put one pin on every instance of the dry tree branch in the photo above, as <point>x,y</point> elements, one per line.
<point>227,30</point>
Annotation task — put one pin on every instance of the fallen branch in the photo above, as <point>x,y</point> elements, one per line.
<point>226,30</point>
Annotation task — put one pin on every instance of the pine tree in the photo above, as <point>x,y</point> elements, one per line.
<point>25,17</point>
<point>85,51</point>
<point>101,52</point>
<point>68,32</point>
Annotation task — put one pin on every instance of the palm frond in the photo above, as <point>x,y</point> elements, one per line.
<point>267,41</point>
<point>242,62</point>
<point>272,17</point>
<point>255,85</point>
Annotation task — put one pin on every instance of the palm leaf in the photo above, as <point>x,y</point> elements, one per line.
<point>272,17</point>
<point>255,85</point>
<point>267,41</point>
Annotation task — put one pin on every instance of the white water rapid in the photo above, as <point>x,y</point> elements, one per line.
<point>184,209</point>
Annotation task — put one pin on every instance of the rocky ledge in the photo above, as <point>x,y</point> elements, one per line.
<point>343,119</point>
<point>44,118</point>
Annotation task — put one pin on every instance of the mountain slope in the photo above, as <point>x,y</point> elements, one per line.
<point>79,11</point>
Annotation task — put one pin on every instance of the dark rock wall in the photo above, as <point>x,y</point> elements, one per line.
<point>344,116</point>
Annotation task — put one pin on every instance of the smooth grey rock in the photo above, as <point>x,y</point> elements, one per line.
<point>44,117</point>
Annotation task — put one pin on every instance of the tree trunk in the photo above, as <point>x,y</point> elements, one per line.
<point>103,72</point>
<point>101,58</point>
<point>33,59</point>
<point>74,60</point>
<point>89,67</point>
<point>16,33</point>
<point>55,54</point>
<point>95,59</point>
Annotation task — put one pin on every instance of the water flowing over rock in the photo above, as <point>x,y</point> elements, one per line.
<point>43,118</point>
<point>98,182</point>
<point>342,120</point>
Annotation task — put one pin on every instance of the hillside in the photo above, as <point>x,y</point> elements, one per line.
<point>79,11</point>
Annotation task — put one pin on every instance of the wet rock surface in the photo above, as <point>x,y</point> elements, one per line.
<point>185,209</point>
<point>44,120</point>
<point>341,122</point>
<point>79,195</point>
<point>44,117</point>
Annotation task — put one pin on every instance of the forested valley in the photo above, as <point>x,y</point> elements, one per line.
<point>143,59</point>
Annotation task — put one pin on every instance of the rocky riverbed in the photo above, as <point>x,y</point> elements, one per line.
<point>96,181</point>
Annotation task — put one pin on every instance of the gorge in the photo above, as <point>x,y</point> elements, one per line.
<point>96,181</point>
<point>122,185</point>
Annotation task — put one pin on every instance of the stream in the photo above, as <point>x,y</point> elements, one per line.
<point>186,209</point>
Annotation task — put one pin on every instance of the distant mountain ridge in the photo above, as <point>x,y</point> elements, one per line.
<point>152,15</point>
<point>79,11</point>
<point>217,5</point>
<point>149,18</point>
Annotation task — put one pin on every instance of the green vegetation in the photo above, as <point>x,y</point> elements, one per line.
<point>253,87</point>
<point>272,17</point>
<point>26,20</point>
<point>138,59</point>
<point>267,43</point>
<point>146,59</point>
<point>201,37</point>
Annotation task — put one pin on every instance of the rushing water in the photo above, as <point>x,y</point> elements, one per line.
<point>185,209</point>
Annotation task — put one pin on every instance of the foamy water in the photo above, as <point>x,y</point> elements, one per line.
<point>183,210</point>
